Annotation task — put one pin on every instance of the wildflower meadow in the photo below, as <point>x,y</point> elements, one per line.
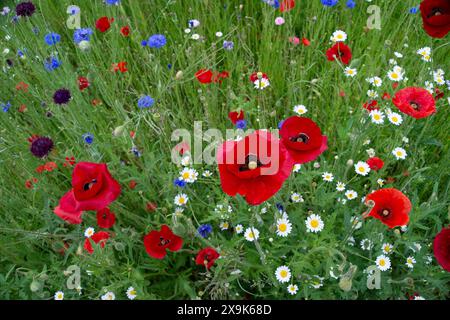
<point>233,150</point>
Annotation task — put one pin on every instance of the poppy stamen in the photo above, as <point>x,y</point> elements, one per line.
<point>414,105</point>
<point>302,137</point>
<point>88,186</point>
<point>251,163</point>
<point>163,242</point>
<point>435,12</point>
<point>385,212</point>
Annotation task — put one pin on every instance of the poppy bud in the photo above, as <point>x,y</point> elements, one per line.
<point>117,132</point>
<point>179,75</point>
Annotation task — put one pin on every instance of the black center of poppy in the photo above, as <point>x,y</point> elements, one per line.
<point>251,162</point>
<point>385,213</point>
<point>436,12</point>
<point>104,216</point>
<point>89,185</point>
<point>302,137</point>
<point>415,105</point>
<point>163,242</point>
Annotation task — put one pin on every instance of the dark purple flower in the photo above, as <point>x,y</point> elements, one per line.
<point>25,9</point>
<point>61,96</point>
<point>41,146</point>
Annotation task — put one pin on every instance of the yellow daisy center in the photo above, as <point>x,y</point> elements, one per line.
<point>282,227</point>
<point>283,273</point>
<point>314,223</point>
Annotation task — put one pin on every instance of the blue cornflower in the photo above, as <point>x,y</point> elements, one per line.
<point>273,3</point>
<point>52,38</point>
<point>329,3</point>
<point>241,124</point>
<point>157,41</point>
<point>280,124</point>
<point>88,138</point>
<point>178,182</point>
<point>73,10</point>
<point>280,207</point>
<point>83,34</point>
<point>145,102</point>
<point>52,63</point>
<point>204,230</point>
<point>136,151</point>
<point>169,66</point>
<point>350,4</point>
<point>5,106</point>
<point>413,10</point>
<point>228,45</point>
<point>21,53</point>
<point>112,2</point>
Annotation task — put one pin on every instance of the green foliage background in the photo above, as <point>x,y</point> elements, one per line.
<point>31,235</point>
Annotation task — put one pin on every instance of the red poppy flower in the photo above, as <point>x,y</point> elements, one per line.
<point>121,66</point>
<point>151,206</point>
<point>156,242</point>
<point>340,51</point>
<point>438,94</point>
<point>98,237</point>
<point>306,42</point>
<point>83,83</point>
<point>436,17</point>
<point>235,116</point>
<point>105,218</point>
<point>132,184</point>
<point>103,23</point>
<point>207,257</point>
<point>287,5</point>
<point>386,96</point>
<point>375,163</point>
<point>441,248</point>
<point>93,188</point>
<point>391,207</point>
<point>395,85</point>
<point>371,105</point>
<point>416,102</point>
<point>254,76</point>
<point>125,31</point>
<point>254,167</point>
<point>303,139</point>
<point>204,76</point>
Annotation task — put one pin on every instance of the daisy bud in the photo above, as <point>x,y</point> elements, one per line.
<point>117,132</point>
<point>84,45</point>
<point>179,75</point>
<point>35,286</point>
<point>350,162</point>
<point>259,75</point>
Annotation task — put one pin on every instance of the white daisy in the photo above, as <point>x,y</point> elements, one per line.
<point>261,84</point>
<point>283,274</point>
<point>284,227</point>
<point>377,116</point>
<point>395,118</point>
<point>131,293</point>
<point>185,161</point>
<point>189,175</point>
<point>207,173</point>
<point>295,197</point>
<point>410,261</point>
<point>224,225</point>
<point>383,263</point>
<point>292,289</point>
<point>395,76</point>
<point>366,244</point>
<point>300,109</point>
<point>372,94</point>
<point>251,234</point>
<point>349,72</point>
<point>296,167</point>
<point>59,295</point>
<point>195,36</point>
<point>339,36</point>
<point>109,296</point>
<point>380,182</point>
<point>328,177</point>
<point>399,153</point>
<point>387,248</point>
<point>362,168</point>
<point>351,194</point>
<point>219,34</point>
<point>181,199</point>
<point>398,54</point>
<point>340,186</point>
<point>377,82</point>
<point>239,229</point>
<point>314,223</point>
<point>89,232</point>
